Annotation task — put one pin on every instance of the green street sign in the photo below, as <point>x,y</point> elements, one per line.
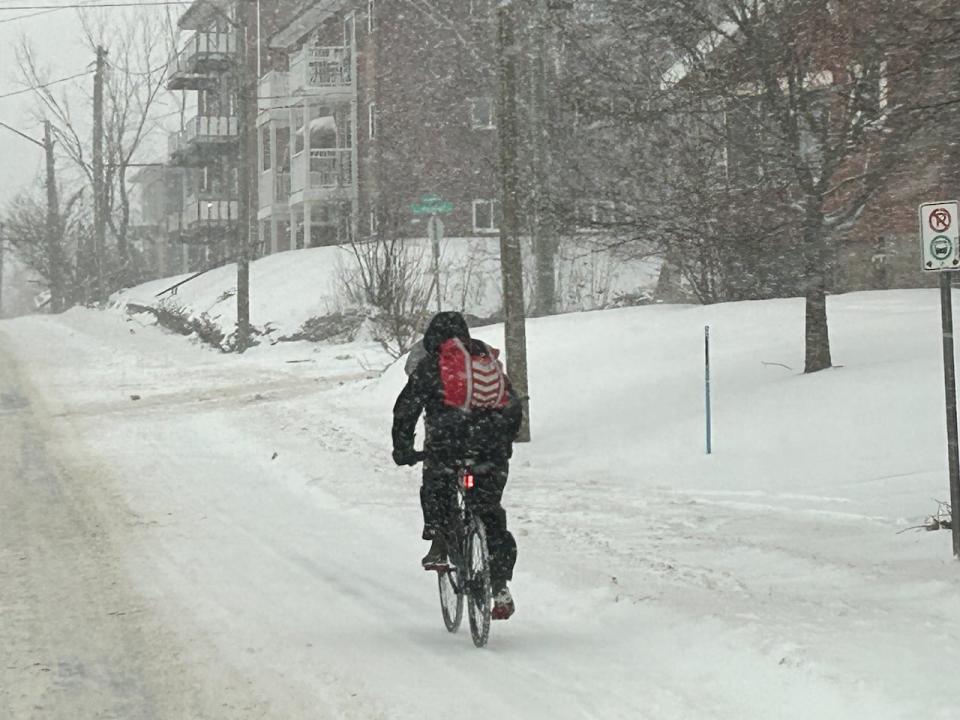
<point>432,205</point>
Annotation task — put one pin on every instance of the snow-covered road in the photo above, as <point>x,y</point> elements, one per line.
<point>188,535</point>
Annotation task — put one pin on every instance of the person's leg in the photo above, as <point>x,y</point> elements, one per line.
<point>436,501</point>
<point>486,503</point>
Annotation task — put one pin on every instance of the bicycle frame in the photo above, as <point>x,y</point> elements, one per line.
<point>468,571</point>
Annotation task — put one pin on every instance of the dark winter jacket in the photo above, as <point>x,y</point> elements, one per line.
<point>452,434</point>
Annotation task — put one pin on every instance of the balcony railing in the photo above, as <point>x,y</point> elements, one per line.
<point>274,188</point>
<point>316,68</point>
<point>200,131</point>
<point>274,87</point>
<point>328,169</point>
<point>199,212</point>
<point>204,53</point>
<point>206,128</point>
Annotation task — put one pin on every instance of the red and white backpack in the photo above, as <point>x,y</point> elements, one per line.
<point>471,381</point>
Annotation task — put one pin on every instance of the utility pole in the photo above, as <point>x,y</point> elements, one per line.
<point>99,191</point>
<point>54,254</point>
<point>247,172</point>
<point>511,256</point>
<point>541,122</point>
<point>3,241</point>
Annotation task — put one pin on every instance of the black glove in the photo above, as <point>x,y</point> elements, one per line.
<point>404,456</point>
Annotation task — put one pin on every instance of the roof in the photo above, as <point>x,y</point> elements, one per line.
<point>201,12</point>
<point>306,18</point>
<point>707,45</point>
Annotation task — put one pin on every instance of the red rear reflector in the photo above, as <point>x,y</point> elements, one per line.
<point>468,481</point>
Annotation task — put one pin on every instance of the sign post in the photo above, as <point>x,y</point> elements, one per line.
<point>706,348</point>
<point>434,206</point>
<point>940,240</point>
<point>435,230</point>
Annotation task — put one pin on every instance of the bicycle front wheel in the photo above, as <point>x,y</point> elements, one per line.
<point>451,598</point>
<point>479,591</point>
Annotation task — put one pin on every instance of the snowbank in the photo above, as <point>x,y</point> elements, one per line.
<point>289,288</point>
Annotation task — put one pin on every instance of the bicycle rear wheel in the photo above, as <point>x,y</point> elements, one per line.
<point>451,599</point>
<point>479,591</point>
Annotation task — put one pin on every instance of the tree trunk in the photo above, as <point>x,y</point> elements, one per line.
<point>127,276</point>
<point>510,251</point>
<point>817,333</point>
<point>545,251</point>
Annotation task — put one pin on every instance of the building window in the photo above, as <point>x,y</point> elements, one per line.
<point>594,214</point>
<point>870,91</point>
<point>486,216</point>
<point>374,222</point>
<point>372,119</point>
<point>481,113</point>
<point>371,15</point>
<point>266,156</point>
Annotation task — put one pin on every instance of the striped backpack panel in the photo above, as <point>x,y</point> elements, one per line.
<point>471,381</point>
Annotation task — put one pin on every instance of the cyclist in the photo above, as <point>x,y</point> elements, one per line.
<point>484,435</point>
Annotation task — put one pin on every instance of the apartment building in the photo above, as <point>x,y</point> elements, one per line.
<point>363,108</point>
<point>157,194</point>
<point>307,135</point>
<point>377,105</point>
<point>205,208</point>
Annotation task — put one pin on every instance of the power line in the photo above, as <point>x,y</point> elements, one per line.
<point>24,17</point>
<point>94,5</point>
<point>23,135</point>
<point>45,85</point>
<point>34,14</point>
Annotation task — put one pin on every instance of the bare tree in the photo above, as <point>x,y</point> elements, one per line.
<point>389,278</point>
<point>836,105</point>
<point>64,261</point>
<point>760,132</point>
<point>139,47</point>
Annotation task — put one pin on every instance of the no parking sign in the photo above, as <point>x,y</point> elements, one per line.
<point>940,236</point>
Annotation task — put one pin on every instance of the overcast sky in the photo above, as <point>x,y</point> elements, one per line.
<point>56,37</point>
<point>58,41</point>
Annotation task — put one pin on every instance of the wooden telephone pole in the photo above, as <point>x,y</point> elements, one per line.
<point>3,241</point>
<point>511,256</point>
<point>247,229</point>
<point>99,191</point>
<point>54,253</point>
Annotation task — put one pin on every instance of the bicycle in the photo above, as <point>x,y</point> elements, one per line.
<point>467,573</point>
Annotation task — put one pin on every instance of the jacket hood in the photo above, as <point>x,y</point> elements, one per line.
<point>444,326</point>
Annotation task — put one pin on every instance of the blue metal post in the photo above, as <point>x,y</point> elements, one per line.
<point>706,344</point>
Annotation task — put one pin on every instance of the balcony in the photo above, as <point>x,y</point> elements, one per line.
<point>274,192</point>
<point>202,136</point>
<point>328,173</point>
<point>324,71</point>
<point>202,214</point>
<point>205,55</point>
<point>273,92</point>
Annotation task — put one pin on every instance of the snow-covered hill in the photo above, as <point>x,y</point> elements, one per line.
<point>289,288</point>
<point>771,579</point>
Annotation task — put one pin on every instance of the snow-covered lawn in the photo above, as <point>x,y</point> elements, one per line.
<point>769,580</point>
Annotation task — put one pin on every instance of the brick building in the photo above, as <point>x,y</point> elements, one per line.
<point>375,106</point>
<point>862,74</point>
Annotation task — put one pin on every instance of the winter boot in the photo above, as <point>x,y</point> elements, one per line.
<point>436,558</point>
<point>503,606</point>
